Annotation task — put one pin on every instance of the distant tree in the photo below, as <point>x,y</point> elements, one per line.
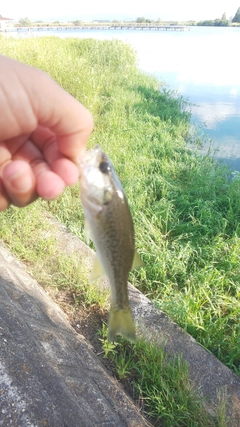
<point>220,23</point>
<point>206,23</point>
<point>236,17</point>
<point>140,20</point>
<point>78,22</point>
<point>215,23</point>
<point>24,22</point>
<point>224,17</point>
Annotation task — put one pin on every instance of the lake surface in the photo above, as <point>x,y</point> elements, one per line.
<point>202,64</point>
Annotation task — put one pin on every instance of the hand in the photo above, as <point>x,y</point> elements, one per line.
<point>43,133</point>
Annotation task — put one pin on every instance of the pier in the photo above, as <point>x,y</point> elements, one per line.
<point>106,26</point>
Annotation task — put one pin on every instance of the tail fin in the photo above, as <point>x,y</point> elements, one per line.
<point>121,323</point>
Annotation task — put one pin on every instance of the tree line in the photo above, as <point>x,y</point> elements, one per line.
<point>223,22</point>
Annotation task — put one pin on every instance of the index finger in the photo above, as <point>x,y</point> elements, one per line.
<point>70,121</point>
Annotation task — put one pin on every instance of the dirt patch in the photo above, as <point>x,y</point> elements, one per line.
<point>85,320</point>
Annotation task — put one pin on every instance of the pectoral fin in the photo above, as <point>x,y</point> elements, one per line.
<point>137,262</point>
<point>97,270</point>
<point>87,232</point>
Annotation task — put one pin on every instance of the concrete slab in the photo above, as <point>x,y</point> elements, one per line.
<point>49,375</point>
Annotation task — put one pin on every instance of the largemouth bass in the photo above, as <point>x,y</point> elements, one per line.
<point>110,223</point>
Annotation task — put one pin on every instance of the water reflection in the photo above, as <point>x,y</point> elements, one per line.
<point>217,111</point>
<point>203,65</point>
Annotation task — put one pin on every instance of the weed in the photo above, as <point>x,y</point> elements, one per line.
<point>160,382</point>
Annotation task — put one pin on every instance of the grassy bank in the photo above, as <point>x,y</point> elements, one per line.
<point>185,207</point>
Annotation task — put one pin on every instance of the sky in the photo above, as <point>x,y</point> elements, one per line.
<point>176,10</point>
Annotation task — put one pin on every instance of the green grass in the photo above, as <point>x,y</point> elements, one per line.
<point>35,240</point>
<point>186,207</point>
<point>160,383</point>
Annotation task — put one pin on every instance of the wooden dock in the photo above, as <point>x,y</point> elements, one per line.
<point>133,26</point>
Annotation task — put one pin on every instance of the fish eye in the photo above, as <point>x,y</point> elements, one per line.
<point>104,167</point>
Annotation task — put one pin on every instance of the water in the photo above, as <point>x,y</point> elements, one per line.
<point>201,64</point>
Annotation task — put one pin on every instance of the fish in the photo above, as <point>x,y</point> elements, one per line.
<point>109,221</point>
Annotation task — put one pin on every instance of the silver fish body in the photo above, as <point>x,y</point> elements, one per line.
<point>109,220</point>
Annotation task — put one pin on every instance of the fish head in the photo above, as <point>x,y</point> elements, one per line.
<point>99,182</point>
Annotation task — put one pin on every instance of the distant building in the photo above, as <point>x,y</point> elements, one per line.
<point>5,23</point>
